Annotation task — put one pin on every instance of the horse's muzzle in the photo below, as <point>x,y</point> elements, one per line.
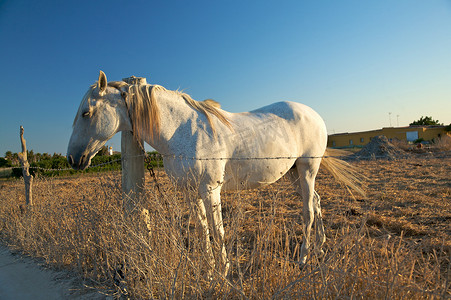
<point>79,164</point>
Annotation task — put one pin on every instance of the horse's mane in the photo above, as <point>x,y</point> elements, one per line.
<point>144,110</point>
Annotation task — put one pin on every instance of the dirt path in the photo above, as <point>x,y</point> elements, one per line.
<point>22,278</point>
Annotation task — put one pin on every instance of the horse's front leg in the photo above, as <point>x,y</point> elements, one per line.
<point>202,216</point>
<point>212,201</point>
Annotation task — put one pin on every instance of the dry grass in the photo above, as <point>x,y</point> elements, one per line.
<point>444,143</point>
<point>396,243</point>
<point>404,145</point>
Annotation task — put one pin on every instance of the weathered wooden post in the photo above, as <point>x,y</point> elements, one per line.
<point>28,178</point>
<point>132,162</point>
<point>133,180</point>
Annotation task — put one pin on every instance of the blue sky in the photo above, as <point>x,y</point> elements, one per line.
<point>352,61</point>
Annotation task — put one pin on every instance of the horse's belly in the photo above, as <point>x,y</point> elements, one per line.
<point>241,175</point>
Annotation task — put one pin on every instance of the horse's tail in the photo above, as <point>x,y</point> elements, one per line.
<point>343,171</point>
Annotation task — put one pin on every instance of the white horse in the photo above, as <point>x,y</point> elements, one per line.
<point>209,149</point>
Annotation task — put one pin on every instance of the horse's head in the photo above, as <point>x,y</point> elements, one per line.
<point>102,113</point>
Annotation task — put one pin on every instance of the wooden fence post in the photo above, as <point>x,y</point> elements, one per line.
<point>28,178</point>
<point>132,163</point>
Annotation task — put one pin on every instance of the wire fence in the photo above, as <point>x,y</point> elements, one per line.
<point>158,159</point>
<point>61,169</point>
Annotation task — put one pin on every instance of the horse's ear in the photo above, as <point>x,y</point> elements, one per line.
<point>102,83</point>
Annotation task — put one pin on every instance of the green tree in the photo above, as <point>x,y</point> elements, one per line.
<point>426,121</point>
<point>9,155</point>
<point>12,157</point>
<point>45,156</point>
<point>31,156</point>
<point>57,155</point>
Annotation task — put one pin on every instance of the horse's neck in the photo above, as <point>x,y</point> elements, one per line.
<point>174,114</point>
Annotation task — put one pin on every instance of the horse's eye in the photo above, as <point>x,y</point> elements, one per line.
<point>86,114</point>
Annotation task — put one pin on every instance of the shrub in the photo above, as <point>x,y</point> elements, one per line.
<point>418,141</point>
<point>4,163</point>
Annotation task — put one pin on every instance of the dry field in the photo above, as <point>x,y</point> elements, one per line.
<point>395,243</point>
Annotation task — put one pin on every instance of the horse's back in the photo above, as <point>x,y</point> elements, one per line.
<point>285,109</point>
<point>296,121</point>
<point>268,140</point>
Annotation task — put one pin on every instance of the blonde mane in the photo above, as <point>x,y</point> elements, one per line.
<point>207,107</point>
<point>144,109</point>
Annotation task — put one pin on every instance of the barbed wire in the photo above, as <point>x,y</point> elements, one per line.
<point>159,157</point>
<point>348,157</point>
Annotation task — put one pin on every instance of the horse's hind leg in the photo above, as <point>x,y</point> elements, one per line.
<point>304,182</point>
<point>320,235</point>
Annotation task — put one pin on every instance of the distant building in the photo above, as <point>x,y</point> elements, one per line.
<point>410,134</point>
<point>110,150</point>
